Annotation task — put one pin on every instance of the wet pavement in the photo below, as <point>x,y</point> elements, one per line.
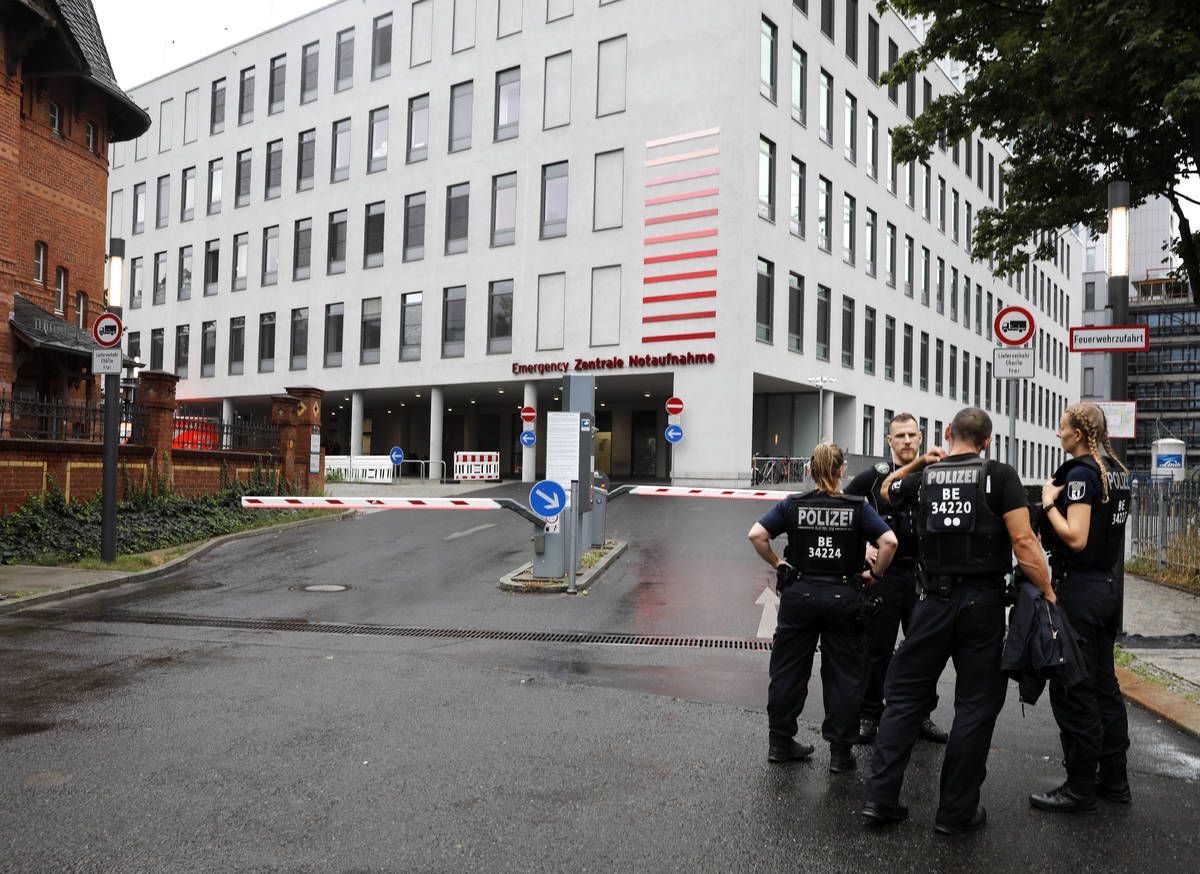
<point>181,748</point>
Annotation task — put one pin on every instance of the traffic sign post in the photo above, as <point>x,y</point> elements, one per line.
<point>547,498</point>
<point>1013,327</point>
<point>397,458</point>
<point>674,406</point>
<point>528,438</point>
<point>674,433</point>
<point>107,331</point>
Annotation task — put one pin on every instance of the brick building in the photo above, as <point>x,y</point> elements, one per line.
<point>60,107</point>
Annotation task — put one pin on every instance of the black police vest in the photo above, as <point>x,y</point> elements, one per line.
<point>959,533</point>
<point>1106,531</point>
<point>825,536</point>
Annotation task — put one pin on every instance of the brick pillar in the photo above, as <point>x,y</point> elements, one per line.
<point>284,414</point>
<point>156,393</point>
<point>308,422</point>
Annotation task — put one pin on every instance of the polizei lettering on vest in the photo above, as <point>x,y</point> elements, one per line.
<point>951,476</point>
<point>825,518</point>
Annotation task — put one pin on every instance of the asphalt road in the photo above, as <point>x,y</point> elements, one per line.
<point>127,746</point>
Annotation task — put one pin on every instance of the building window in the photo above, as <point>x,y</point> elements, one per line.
<point>458,199</point>
<point>241,260</point>
<point>889,347</point>
<point>910,191</point>
<point>849,220</point>
<point>216,111</point>
<point>461,101</point>
<point>373,224</point>
<point>926,191</point>
<point>310,57</point>
<point>270,255</point>
<point>343,63</point>
<point>134,349</point>
<point>824,209</point>
<point>139,209</point>
<point>847,331</point>
<point>824,296</point>
<point>768,59</point>
<point>212,266</point>
<point>504,209</point>
<point>872,49</point>
<point>554,200</point>
<point>156,349</point>
<point>766,179</point>
<point>241,178</point>
<point>799,84</point>
<point>39,262</point>
<point>1089,381</point>
<point>869,340</point>
<point>953,294</point>
<point>369,330</point>
<point>306,160</point>
<point>191,113</point>
<point>893,57</point>
<point>81,311</point>
<point>61,281</point>
<point>418,129</point>
<point>907,360</point>
<point>298,357</point>
<point>414,226</point>
<point>184,290</point>
<point>137,274</point>
<point>868,433</point>
<point>162,203</point>
<point>795,312</point>
<point>500,313</point>
<point>952,372</point>
<point>924,372</point>
<point>89,137</point>
<point>274,169</point>
<point>871,241</point>
<point>410,326</point>
<point>214,186</point>
<point>336,261</point>
<point>925,276</point>
<point>799,174</point>
<point>381,46</point>
<point>160,279</point>
<point>276,86</point>
<point>872,145</point>
<point>893,184</point>
<point>909,265</point>
<point>182,340</point>
<point>910,96</point>
<point>246,96</point>
<point>302,248</point>
<point>764,301</point>
<point>339,168</point>
<point>508,103</point>
<point>454,321</point>
<point>851,128</point>
<point>377,140</point>
<point>187,195</point>
<point>208,348</point>
<point>237,345</point>
<point>941,285</point>
<point>334,318</point>
<point>825,108</point>
<point>890,274</point>
<point>266,343</point>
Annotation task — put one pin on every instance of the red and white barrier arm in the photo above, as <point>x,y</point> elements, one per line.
<point>278,502</point>
<point>681,492</point>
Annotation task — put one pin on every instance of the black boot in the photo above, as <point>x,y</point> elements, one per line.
<point>788,751</point>
<point>868,727</point>
<point>841,758</point>
<point>1066,799</point>
<point>1112,784</point>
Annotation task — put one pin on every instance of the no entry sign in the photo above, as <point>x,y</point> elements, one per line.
<point>674,406</point>
<point>528,414</point>
<point>1014,326</point>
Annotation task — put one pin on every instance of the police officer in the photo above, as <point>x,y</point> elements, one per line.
<point>816,581</point>
<point>971,516</point>
<point>1086,504</point>
<point>898,588</point>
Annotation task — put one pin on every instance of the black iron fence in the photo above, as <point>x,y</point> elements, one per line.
<point>203,432</point>
<point>1164,525</point>
<point>43,419</point>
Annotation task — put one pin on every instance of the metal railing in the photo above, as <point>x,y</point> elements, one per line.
<point>43,419</point>
<point>769,469</point>
<point>1164,525</point>
<point>241,435</point>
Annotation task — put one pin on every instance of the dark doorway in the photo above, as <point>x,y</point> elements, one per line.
<point>644,449</point>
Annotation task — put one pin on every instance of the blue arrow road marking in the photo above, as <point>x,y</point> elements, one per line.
<point>397,455</point>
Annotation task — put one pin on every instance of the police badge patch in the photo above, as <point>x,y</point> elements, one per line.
<point>1075,490</point>
<point>883,467</point>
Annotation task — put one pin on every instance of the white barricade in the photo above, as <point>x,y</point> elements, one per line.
<point>477,465</point>
<point>361,468</point>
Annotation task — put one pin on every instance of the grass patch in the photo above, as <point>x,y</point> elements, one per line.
<point>1170,573</point>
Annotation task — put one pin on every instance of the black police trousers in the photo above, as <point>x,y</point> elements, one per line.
<point>1091,717</point>
<point>809,611</point>
<point>968,628</point>
<point>898,593</point>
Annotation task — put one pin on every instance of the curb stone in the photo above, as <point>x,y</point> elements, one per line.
<point>1181,712</point>
<point>582,580</point>
<point>12,605</point>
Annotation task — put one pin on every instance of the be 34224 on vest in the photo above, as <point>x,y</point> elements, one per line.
<point>825,538</point>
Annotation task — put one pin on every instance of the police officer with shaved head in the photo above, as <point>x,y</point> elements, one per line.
<point>971,517</point>
<point>897,590</point>
<point>824,560</point>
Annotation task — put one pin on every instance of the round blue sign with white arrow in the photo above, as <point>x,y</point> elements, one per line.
<point>674,433</point>
<point>547,498</point>
<point>397,455</point>
<point>528,438</point>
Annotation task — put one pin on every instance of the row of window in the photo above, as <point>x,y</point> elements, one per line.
<point>41,255</point>
<point>58,122</point>
<point>453,336</point>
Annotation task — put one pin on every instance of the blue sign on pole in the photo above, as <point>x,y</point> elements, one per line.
<point>397,455</point>
<point>547,498</point>
<point>528,438</point>
<point>674,433</point>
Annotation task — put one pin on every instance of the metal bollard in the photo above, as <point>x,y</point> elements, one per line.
<point>550,561</point>
<point>599,505</point>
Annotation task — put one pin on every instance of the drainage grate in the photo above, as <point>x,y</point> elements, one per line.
<point>739,643</point>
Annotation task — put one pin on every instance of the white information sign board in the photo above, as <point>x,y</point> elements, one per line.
<point>106,360</point>
<point>1121,416</point>
<point>1013,363</point>
<point>562,449</point>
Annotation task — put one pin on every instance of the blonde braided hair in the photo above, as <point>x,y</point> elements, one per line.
<point>826,467</point>
<point>1089,419</point>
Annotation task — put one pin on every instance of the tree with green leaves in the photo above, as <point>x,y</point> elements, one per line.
<point>1082,92</point>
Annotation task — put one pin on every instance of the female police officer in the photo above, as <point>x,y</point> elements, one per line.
<point>1086,504</point>
<point>826,533</point>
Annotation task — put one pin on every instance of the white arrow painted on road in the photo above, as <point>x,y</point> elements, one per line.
<point>770,615</point>
<point>545,497</point>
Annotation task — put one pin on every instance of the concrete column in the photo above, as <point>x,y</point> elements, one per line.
<point>436,412</point>
<point>529,453</point>
<point>226,420</point>
<point>356,423</point>
<point>827,422</point>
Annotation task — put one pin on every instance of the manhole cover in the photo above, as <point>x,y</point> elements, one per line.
<point>326,587</point>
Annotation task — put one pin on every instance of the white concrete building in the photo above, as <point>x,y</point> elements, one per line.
<point>432,209</point>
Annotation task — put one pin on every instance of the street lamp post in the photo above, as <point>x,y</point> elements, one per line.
<point>112,413</point>
<point>820,382</point>
<point>1118,289</point>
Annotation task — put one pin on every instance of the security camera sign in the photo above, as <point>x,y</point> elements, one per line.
<point>1014,326</point>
